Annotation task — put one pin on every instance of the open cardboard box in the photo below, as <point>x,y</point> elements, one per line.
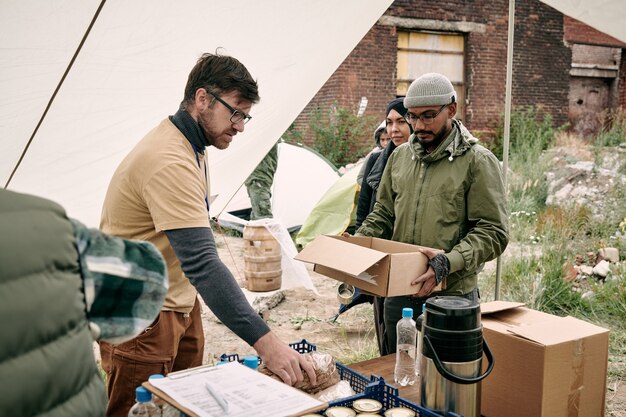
<point>545,366</point>
<point>377,266</point>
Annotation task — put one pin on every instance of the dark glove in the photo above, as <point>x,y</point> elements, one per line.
<point>441,265</point>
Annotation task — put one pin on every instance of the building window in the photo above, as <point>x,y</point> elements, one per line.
<point>423,52</point>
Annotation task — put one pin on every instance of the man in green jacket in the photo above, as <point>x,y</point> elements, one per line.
<point>441,190</point>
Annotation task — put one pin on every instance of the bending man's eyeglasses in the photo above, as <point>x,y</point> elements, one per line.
<point>237,115</point>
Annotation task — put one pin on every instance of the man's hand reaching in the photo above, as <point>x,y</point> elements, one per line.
<point>284,361</point>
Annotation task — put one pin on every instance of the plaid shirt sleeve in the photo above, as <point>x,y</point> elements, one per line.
<point>125,283</point>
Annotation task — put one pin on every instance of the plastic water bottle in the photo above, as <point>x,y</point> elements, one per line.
<point>166,409</point>
<point>405,373</point>
<point>144,406</point>
<point>156,399</point>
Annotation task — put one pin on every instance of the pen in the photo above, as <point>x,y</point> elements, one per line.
<point>217,396</point>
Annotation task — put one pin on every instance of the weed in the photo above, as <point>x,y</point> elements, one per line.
<point>300,320</point>
<point>614,131</point>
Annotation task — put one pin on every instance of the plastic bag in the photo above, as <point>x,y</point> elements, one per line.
<point>325,371</point>
<point>341,389</point>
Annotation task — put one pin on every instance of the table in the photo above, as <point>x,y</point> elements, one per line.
<point>384,367</point>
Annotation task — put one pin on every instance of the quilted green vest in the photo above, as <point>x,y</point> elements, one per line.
<point>47,365</point>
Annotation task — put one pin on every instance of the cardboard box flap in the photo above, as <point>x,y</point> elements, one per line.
<point>554,332</point>
<point>496,306</point>
<point>339,254</point>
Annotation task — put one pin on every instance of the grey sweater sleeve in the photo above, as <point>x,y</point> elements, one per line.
<point>195,249</point>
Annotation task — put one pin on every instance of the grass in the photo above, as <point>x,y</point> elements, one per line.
<point>547,237</point>
<point>356,345</point>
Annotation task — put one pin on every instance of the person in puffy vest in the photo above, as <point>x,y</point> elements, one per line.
<point>59,291</point>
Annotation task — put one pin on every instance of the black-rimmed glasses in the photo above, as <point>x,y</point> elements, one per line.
<point>427,117</point>
<point>237,115</point>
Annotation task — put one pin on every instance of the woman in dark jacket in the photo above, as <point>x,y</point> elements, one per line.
<point>399,131</point>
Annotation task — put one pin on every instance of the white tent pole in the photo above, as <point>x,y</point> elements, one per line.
<point>507,121</point>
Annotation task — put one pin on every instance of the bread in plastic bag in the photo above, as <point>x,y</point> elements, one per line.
<point>325,371</point>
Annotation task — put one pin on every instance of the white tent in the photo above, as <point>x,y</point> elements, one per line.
<point>302,177</point>
<point>70,110</point>
<point>68,122</point>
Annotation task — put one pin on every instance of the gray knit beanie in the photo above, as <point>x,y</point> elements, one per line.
<point>430,89</point>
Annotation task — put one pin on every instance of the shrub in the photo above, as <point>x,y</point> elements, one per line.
<point>531,130</point>
<point>340,135</point>
<point>531,134</point>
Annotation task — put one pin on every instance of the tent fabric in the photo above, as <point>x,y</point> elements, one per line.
<point>131,71</point>
<point>607,16</point>
<point>130,74</point>
<point>302,177</point>
<point>335,211</point>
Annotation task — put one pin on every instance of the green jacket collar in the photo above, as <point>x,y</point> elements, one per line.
<point>455,144</point>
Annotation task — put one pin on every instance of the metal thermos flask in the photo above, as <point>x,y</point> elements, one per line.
<point>451,359</point>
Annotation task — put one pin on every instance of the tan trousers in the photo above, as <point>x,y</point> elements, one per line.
<point>174,341</point>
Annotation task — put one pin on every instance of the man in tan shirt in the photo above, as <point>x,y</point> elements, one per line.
<point>159,193</point>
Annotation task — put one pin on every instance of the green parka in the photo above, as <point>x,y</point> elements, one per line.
<point>47,365</point>
<point>452,199</point>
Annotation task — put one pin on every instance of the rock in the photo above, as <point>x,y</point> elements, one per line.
<point>569,272</point>
<point>602,269</point>
<point>588,295</point>
<point>262,305</point>
<point>580,259</point>
<point>563,193</point>
<point>586,270</point>
<point>609,254</point>
<point>583,166</point>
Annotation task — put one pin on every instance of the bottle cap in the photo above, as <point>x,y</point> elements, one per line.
<point>251,361</point>
<point>407,312</point>
<point>142,395</point>
<point>155,376</point>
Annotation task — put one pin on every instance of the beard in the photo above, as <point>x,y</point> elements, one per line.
<point>219,140</point>
<point>434,139</point>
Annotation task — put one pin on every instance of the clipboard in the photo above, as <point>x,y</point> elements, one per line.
<point>241,385</point>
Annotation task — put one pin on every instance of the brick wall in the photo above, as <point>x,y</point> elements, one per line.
<point>369,71</point>
<point>541,62</point>
<point>578,32</point>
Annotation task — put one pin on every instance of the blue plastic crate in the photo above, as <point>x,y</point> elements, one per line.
<point>357,381</point>
<point>374,387</point>
<point>388,396</point>
<point>302,347</point>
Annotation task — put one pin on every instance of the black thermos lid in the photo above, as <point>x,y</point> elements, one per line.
<point>452,313</point>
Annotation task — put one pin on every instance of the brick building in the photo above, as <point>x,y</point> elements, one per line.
<point>597,75</point>
<point>467,41</point>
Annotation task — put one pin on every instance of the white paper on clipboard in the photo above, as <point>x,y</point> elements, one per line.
<point>247,392</point>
